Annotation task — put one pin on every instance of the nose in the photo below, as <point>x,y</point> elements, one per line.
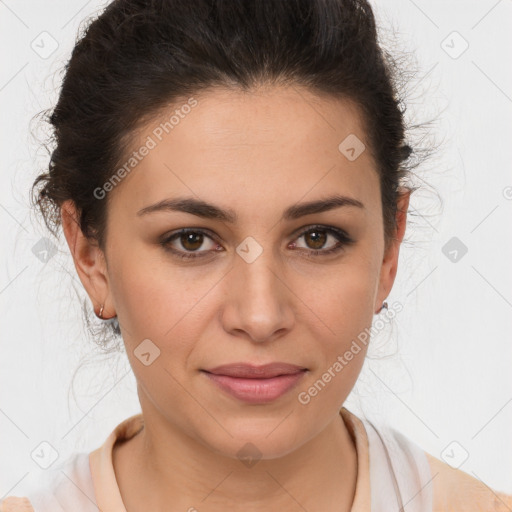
<point>259,305</point>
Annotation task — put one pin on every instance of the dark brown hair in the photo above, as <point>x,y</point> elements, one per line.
<point>139,56</point>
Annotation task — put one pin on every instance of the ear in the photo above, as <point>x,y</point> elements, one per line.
<point>89,261</point>
<point>391,253</point>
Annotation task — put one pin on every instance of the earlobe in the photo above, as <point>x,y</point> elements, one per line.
<point>88,258</point>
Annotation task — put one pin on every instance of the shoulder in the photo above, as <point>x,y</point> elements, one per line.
<point>442,487</point>
<point>68,486</point>
<point>456,490</point>
<point>16,504</point>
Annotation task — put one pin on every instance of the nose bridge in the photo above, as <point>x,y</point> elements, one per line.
<point>255,270</point>
<point>258,301</point>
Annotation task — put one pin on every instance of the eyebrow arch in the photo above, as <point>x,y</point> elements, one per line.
<point>210,211</point>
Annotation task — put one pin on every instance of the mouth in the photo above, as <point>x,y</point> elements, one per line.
<point>249,371</point>
<point>256,384</point>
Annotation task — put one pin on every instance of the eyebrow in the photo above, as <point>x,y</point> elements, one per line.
<point>210,211</point>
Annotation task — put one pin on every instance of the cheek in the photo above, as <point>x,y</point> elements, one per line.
<point>151,293</point>
<point>345,298</point>
<point>139,297</point>
<point>341,316</point>
<point>163,303</point>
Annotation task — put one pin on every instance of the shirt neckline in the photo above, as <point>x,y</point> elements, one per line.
<point>106,488</point>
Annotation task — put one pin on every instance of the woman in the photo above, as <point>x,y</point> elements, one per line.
<point>230,180</point>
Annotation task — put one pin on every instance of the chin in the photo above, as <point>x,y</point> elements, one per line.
<point>263,439</point>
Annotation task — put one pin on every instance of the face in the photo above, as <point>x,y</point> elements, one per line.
<point>269,282</point>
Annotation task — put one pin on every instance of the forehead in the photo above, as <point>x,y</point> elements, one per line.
<point>242,148</point>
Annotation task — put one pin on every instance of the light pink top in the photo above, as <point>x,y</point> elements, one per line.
<point>393,474</point>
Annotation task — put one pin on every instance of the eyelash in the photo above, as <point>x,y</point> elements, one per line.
<point>343,241</point>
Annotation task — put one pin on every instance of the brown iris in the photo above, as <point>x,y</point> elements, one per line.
<point>319,238</point>
<point>192,241</point>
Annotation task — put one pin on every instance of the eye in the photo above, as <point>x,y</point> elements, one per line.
<point>317,236</point>
<point>190,240</point>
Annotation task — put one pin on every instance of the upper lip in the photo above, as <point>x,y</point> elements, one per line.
<point>249,371</point>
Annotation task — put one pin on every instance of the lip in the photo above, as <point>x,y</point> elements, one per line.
<point>250,371</point>
<point>256,384</point>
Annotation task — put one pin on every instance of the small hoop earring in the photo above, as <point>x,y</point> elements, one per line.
<point>384,306</point>
<point>111,320</point>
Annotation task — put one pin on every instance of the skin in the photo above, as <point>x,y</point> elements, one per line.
<point>256,153</point>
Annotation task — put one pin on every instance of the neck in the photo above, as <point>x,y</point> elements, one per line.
<point>163,465</point>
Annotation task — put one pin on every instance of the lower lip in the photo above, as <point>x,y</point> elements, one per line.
<point>256,391</point>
